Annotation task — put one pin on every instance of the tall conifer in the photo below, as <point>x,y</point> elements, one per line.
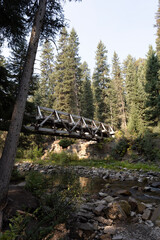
<point>101,83</point>
<point>152,88</point>
<point>63,85</point>
<point>129,71</point>
<point>74,70</point>
<point>117,95</point>
<point>67,73</point>
<point>158,31</point>
<point>44,96</point>
<point>87,109</point>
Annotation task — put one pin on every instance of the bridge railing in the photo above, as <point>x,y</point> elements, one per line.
<point>58,123</point>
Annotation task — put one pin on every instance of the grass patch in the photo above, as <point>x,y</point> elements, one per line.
<point>64,159</point>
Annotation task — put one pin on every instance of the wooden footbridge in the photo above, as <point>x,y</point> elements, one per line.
<point>57,123</point>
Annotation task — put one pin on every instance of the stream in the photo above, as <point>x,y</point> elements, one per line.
<point>92,186</point>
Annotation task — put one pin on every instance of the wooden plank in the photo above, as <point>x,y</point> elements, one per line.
<point>47,131</point>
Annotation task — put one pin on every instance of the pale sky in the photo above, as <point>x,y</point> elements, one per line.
<point>124,26</point>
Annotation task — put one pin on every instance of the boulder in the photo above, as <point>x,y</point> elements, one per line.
<point>104,220</point>
<point>141,207</point>
<point>133,203</point>
<point>156,214</point>
<point>86,227</point>
<point>110,230</point>
<point>146,215</point>
<point>115,211</point>
<point>108,199</point>
<point>99,210</point>
<point>125,207</point>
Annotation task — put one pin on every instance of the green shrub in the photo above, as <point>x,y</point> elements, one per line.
<point>120,148</point>
<point>16,176</point>
<point>32,153</point>
<point>17,225</point>
<point>36,183</point>
<point>64,143</point>
<point>145,145</point>
<point>55,207</point>
<point>63,158</point>
<point>20,153</point>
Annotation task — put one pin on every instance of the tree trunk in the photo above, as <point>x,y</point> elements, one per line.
<point>9,152</point>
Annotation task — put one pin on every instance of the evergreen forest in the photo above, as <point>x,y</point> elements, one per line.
<point>124,95</point>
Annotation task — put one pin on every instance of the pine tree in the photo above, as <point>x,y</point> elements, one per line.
<point>67,74</point>
<point>7,93</point>
<point>63,85</point>
<point>87,109</point>
<point>152,88</point>
<point>141,96</point>
<point>44,95</point>
<point>117,95</point>
<point>101,83</point>
<point>158,31</point>
<point>74,69</point>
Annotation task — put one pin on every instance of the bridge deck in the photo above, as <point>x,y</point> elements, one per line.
<point>57,123</point>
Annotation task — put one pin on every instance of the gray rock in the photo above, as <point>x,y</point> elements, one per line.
<point>146,215</point>
<point>110,230</point>
<point>99,209</point>
<point>104,220</point>
<point>133,203</point>
<point>124,192</point>
<point>156,214</point>
<point>117,237</point>
<point>86,227</point>
<point>156,184</point>
<point>86,207</point>
<point>149,223</point>
<point>109,199</point>
<point>87,215</point>
<point>101,194</point>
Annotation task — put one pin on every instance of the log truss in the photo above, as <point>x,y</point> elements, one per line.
<point>57,123</point>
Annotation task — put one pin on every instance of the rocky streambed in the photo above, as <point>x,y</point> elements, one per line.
<point>116,205</point>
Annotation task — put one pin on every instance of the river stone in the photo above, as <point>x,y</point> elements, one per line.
<point>157,222</point>
<point>133,203</point>
<point>86,227</point>
<point>104,220</point>
<point>86,207</point>
<point>105,237</point>
<point>115,211</point>
<point>99,209</point>
<point>149,223</point>
<point>109,199</point>
<point>156,184</point>
<point>146,215</point>
<point>125,206</point>
<point>156,214</point>
<point>110,230</point>
<point>117,237</point>
<point>87,215</point>
<point>147,189</point>
<point>101,194</point>
<point>141,207</point>
<point>124,192</point>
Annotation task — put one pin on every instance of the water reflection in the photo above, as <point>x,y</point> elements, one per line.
<point>95,185</point>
